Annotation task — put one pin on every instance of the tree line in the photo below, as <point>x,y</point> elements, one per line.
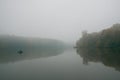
<point>107,38</point>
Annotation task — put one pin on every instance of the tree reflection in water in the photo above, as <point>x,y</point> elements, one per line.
<point>108,56</point>
<point>12,55</point>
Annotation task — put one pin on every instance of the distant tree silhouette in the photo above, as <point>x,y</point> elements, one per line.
<point>106,38</point>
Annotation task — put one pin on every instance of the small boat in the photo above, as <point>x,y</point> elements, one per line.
<point>20,51</point>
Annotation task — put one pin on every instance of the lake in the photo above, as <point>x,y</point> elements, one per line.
<point>60,65</point>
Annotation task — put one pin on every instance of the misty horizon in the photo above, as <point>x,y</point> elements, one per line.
<point>57,19</point>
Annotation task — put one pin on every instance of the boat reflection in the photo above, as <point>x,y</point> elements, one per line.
<point>108,56</point>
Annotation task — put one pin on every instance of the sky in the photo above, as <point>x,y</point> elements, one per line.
<point>57,19</point>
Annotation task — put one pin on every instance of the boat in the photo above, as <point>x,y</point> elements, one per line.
<point>20,51</point>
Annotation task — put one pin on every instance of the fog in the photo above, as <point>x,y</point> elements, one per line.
<point>58,19</point>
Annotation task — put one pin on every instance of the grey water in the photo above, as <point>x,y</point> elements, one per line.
<point>69,64</point>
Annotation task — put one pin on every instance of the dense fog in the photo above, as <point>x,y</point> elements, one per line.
<point>57,19</point>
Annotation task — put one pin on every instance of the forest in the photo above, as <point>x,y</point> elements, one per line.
<point>107,38</point>
<point>8,42</point>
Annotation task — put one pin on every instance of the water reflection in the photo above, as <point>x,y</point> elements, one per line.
<point>108,56</point>
<point>13,55</point>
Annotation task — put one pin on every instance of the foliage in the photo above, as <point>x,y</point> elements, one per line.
<point>106,38</point>
<point>15,42</point>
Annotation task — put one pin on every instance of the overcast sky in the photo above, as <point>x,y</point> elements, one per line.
<point>57,19</point>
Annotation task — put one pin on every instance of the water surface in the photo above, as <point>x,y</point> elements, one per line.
<point>60,65</point>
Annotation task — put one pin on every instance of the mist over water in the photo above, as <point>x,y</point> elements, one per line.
<point>40,40</point>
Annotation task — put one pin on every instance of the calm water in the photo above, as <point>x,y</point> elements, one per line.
<point>60,65</point>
